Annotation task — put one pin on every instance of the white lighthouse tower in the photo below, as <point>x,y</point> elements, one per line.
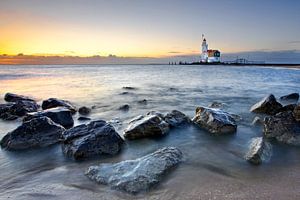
<point>204,55</point>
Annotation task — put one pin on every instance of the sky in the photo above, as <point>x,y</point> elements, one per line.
<point>147,28</point>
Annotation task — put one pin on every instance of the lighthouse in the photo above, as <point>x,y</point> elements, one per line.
<point>204,55</point>
<point>209,55</point>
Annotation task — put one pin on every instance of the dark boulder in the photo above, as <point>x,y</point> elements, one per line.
<point>176,118</point>
<point>95,138</point>
<point>59,115</point>
<point>10,97</point>
<point>296,113</point>
<point>215,121</point>
<point>53,103</point>
<point>143,102</point>
<point>146,126</point>
<point>17,109</point>
<point>84,110</point>
<point>83,118</point>
<point>259,151</point>
<point>292,96</point>
<point>137,175</point>
<point>267,105</point>
<point>289,107</point>
<point>283,127</point>
<point>38,132</point>
<point>124,107</point>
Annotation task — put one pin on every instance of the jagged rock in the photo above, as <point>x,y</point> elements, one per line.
<point>146,126</point>
<point>176,118</point>
<point>124,107</point>
<point>38,132</point>
<point>259,151</point>
<point>84,110</point>
<point>59,115</point>
<point>283,127</point>
<point>95,138</point>
<point>53,103</point>
<point>296,112</point>
<point>83,118</point>
<point>267,105</point>
<point>10,97</point>
<point>137,175</point>
<point>257,121</point>
<point>292,96</point>
<point>20,108</point>
<point>289,107</point>
<point>215,121</point>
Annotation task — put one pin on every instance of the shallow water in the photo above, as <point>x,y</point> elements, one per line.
<point>213,168</point>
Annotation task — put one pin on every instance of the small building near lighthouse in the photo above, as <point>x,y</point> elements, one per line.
<point>209,55</point>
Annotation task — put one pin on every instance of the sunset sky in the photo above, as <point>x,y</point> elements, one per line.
<point>146,28</point>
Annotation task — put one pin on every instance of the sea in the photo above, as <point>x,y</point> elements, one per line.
<point>213,167</point>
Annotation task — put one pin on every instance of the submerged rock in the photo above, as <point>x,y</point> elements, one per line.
<point>143,102</point>
<point>59,115</point>
<point>216,104</point>
<point>53,103</point>
<point>84,110</point>
<point>10,97</point>
<point>146,126</point>
<point>259,151</point>
<point>83,118</point>
<point>215,121</point>
<point>129,88</point>
<point>176,118</point>
<point>267,105</point>
<point>138,175</point>
<point>95,138</point>
<point>283,127</point>
<point>38,132</point>
<point>292,96</point>
<point>124,107</point>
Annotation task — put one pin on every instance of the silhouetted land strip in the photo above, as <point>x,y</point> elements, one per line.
<point>245,64</point>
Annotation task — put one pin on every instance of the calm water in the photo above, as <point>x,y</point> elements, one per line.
<point>213,168</point>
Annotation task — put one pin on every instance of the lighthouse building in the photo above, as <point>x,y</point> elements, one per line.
<point>209,55</point>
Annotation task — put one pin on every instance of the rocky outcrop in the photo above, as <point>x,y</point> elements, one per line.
<point>17,109</point>
<point>53,103</point>
<point>38,132</point>
<point>84,110</point>
<point>146,126</point>
<point>215,121</point>
<point>257,121</point>
<point>296,113</point>
<point>95,138</point>
<point>10,97</point>
<point>283,127</point>
<point>267,105</point>
<point>259,151</point>
<point>176,118</point>
<point>289,97</point>
<point>138,175</point>
<point>59,115</point>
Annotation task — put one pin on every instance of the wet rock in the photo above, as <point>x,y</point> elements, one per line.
<point>53,103</point>
<point>10,97</point>
<point>283,127</point>
<point>216,105</point>
<point>83,118</point>
<point>215,121</point>
<point>20,108</point>
<point>137,175</point>
<point>124,107</point>
<point>38,132</point>
<point>289,107</point>
<point>268,106</point>
<point>129,88</point>
<point>95,138</point>
<point>259,151</point>
<point>59,115</point>
<point>146,126</point>
<point>176,118</point>
<point>257,121</point>
<point>84,110</point>
<point>143,102</point>
<point>296,113</point>
<point>292,96</point>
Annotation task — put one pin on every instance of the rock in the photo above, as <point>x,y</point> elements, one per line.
<point>268,106</point>
<point>215,121</point>
<point>53,103</point>
<point>83,118</point>
<point>257,121</point>
<point>216,105</point>
<point>146,126</point>
<point>283,127</point>
<point>59,115</point>
<point>259,151</point>
<point>143,102</point>
<point>137,175</point>
<point>17,109</point>
<point>289,107</point>
<point>10,97</point>
<point>38,132</point>
<point>292,96</point>
<point>296,113</point>
<point>84,110</point>
<point>124,107</point>
<point>95,138</point>
<point>176,118</point>
<point>129,88</point>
